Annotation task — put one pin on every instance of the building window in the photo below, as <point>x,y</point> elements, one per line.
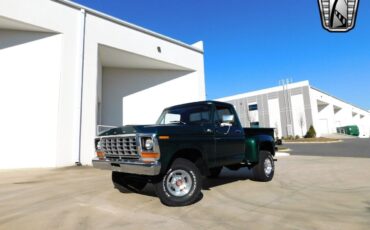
<point>255,124</point>
<point>252,107</point>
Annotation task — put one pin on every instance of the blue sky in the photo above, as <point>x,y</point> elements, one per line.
<point>251,45</point>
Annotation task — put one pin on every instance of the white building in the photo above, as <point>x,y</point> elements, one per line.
<point>293,108</point>
<point>66,68</point>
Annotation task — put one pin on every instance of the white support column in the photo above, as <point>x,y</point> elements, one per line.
<point>77,114</point>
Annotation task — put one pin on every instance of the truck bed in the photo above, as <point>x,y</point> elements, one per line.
<point>250,132</point>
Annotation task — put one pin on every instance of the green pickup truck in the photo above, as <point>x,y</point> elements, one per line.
<point>188,141</point>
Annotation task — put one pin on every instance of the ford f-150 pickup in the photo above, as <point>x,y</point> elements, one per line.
<point>188,142</point>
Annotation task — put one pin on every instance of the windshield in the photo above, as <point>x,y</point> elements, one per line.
<point>186,115</point>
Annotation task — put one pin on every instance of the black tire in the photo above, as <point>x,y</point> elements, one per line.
<point>215,172</point>
<point>123,181</point>
<point>181,173</point>
<point>265,169</point>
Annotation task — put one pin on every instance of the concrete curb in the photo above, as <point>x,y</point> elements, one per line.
<point>314,142</point>
<point>284,150</point>
<point>281,154</point>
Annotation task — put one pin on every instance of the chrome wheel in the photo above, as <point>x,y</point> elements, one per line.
<point>265,169</point>
<point>179,183</point>
<point>268,166</point>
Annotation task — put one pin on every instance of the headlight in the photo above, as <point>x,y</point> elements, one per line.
<point>148,144</point>
<point>149,148</point>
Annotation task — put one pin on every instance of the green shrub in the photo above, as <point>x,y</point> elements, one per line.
<point>311,133</point>
<point>297,137</point>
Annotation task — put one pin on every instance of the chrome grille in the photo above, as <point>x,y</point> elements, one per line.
<point>119,147</point>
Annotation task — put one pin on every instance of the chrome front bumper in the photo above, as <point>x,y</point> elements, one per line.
<point>133,167</point>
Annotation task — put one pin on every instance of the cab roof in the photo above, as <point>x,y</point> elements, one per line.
<point>208,102</point>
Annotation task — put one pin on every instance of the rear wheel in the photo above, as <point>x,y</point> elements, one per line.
<point>264,170</point>
<point>127,181</point>
<point>181,185</point>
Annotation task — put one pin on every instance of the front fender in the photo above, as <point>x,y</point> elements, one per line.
<point>172,149</point>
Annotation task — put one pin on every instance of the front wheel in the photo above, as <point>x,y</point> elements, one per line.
<point>181,185</point>
<point>264,170</point>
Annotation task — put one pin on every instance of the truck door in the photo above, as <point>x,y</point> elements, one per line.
<point>230,140</point>
<point>202,131</point>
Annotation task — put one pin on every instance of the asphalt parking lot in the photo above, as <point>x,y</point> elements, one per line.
<point>346,148</point>
<point>307,192</point>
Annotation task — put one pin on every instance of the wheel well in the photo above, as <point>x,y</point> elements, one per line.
<point>268,146</point>
<point>192,155</point>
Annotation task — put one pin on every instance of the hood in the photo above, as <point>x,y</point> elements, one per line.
<point>130,129</point>
<point>177,129</point>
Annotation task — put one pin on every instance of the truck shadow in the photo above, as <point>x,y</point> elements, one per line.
<point>227,176</point>
<point>148,190</point>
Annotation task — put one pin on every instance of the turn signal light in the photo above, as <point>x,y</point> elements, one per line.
<point>164,137</point>
<point>150,155</point>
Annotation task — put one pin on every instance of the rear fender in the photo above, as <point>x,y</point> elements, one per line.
<point>254,145</point>
<point>251,150</point>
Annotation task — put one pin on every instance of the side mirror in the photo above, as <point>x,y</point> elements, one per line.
<point>227,120</point>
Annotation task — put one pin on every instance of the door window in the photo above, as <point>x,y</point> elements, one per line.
<point>219,112</point>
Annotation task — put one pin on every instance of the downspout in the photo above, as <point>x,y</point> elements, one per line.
<point>79,89</point>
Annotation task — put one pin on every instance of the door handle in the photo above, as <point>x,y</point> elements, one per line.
<point>208,131</point>
<point>238,131</point>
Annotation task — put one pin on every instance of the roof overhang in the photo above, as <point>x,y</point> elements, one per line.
<point>11,24</point>
<point>196,47</point>
<point>336,108</point>
<point>117,58</point>
<point>321,105</point>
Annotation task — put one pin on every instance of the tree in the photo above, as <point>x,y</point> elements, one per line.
<point>301,123</point>
<point>311,133</point>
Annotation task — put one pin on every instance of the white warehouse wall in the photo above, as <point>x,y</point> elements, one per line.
<point>29,92</point>
<point>274,116</point>
<point>132,96</point>
<point>127,41</point>
<point>326,120</point>
<point>55,18</point>
<point>299,115</point>
<point>365,126</point>
<point>138,104</point>
<point>40,78</point>
<point>305,101</point>
<point>343,117</point>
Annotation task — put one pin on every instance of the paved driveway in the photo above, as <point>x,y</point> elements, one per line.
<point>308,192</point>
<point>346,148</point>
